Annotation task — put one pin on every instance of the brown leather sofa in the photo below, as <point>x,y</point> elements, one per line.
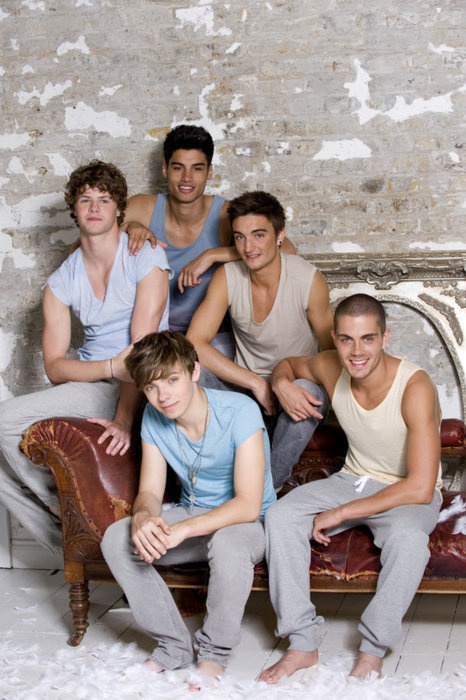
<point>95,490</point>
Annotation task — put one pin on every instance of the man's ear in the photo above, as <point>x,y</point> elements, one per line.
<point>196,372</point>
<point>164,169</point>
<point>281,236</point>
<point>385,338</point>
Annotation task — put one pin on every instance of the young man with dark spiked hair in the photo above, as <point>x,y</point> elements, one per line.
<point>192,226</point>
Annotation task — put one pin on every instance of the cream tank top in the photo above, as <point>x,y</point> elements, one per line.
<point>378,437</point>
<point>286,331</point>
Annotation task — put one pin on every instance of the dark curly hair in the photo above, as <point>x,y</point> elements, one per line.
<point>106,177</point>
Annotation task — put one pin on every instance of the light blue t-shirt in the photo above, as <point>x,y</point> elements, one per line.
<point>234,417</point>
<point>107,322</point>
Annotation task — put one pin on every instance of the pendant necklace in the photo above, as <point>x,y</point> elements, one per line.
<point>193,468</point>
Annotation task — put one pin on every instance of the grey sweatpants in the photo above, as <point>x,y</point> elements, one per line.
<point>28,490</point>
<point>402,534</point>
<point>231,553</point>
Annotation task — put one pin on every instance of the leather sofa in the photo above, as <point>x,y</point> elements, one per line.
<point>96,489</point>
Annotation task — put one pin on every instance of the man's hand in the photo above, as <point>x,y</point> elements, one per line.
<point>323,522</point>
<point>119,370</point>
<point>120,438</point>
<point>150,536</point>
<point>190,275</point>
<point>298,403</point>
<point>264,395</point>
<point>138,235</point>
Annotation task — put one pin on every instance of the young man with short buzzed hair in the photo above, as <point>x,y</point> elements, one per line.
<point>390,482</point>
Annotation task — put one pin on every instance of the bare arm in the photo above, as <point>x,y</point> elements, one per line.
<point>205,325</point>
<point>138,215</point>
<point>191,274</point>
<point>323,368</point>
<point>152,539</point>
<point>56,339</point>
<point>151,298</point>
<point>320,313</point>
<point>421,413</point>
<point>148,529</point>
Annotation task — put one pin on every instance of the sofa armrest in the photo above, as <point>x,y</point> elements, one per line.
<point>102,487</point>
<point>453,436</point>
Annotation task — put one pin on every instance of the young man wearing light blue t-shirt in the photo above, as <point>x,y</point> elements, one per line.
<point>118,298</point>
<point>216,443</point>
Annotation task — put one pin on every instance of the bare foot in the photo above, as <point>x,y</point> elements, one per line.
<point>153,666</point>
<point>207,676</point>
<point>366,664</point>
<point>290,662</point>
<point>190,601</point>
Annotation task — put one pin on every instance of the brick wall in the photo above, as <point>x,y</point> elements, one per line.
<point>352,113</point>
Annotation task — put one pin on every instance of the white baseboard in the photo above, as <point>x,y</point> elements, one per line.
<point>5,538</point>
<point>19,550</point>
<point>27,554</point>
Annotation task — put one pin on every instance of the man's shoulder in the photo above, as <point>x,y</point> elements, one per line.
<point>235,399</point>
<point>156,256</point>
<point>297,264</point>
<point>69,264</point>
<point>236,267</point>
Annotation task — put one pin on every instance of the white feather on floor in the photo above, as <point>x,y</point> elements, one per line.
<point>116,672</point>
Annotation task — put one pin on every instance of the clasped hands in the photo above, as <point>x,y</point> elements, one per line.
<point>153,537</point>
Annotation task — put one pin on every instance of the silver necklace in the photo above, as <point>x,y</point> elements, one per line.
<point>193,468</point>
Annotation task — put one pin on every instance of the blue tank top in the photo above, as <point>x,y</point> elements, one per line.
<point>183,306</point>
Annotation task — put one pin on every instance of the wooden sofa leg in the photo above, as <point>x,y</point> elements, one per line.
<point>79,604</point>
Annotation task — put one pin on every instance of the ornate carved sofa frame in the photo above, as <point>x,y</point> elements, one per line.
<point>96,489</point>
<point>93,493</point>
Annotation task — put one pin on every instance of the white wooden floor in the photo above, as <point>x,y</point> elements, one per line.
<point>34,609</point>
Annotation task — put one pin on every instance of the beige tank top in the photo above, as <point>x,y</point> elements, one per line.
<point>377,437</point>
<point>286,330</point>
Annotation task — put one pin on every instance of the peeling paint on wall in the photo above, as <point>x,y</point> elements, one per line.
<point>343,150</point>
<point>49,93</point>
<point>402,110</point>
<point>83,117</point>
<point>21,261</point>
<point>12,141</point>
<point>79,45</point>
<point>201,17</point>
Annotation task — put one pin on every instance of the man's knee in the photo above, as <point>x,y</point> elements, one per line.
<point>238,543</point>
<point>278,517</point>
<point>317,391</point>
<point>115,539</point>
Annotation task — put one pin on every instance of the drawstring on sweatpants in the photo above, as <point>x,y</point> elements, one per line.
<point>361,482</point>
